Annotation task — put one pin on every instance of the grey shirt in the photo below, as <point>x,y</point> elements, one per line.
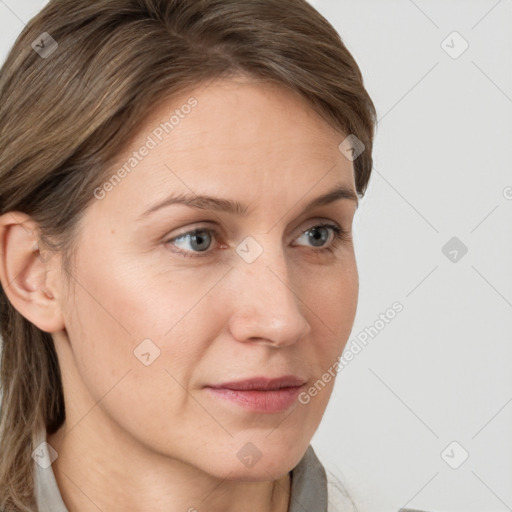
<point>312,490</point>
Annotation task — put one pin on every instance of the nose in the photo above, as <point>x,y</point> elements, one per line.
<point>265,307</point>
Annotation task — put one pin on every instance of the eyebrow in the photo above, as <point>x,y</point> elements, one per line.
<point>205,202</point>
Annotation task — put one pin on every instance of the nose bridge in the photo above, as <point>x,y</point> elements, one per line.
<point>266,306</point>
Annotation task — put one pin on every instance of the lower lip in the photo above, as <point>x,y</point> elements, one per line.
<point>277,400</point>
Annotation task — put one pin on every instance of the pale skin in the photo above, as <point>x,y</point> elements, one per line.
<point>142,437</point>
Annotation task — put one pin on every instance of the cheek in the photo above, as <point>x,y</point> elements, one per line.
<point>123,358</point>
<point>129,318</point>
<point>331,302</point>
<point>334,306</point>
<point>344,302</point>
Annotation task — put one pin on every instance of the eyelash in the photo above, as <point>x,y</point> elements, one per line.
<point>340,236</point>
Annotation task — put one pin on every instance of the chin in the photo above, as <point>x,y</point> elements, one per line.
<point>257,460</point>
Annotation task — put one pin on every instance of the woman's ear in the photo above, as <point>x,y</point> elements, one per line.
<point>30,281</point>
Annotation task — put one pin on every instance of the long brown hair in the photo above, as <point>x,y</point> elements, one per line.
<point>79,80</point>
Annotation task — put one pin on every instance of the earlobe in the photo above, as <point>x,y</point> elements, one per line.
<point>24,274</point>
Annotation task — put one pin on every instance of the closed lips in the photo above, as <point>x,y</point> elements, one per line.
<point>261,384</point>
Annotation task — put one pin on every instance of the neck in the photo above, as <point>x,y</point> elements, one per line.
<point>103,468</point>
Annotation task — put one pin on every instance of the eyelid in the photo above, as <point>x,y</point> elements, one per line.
<point>319,221</point>
<point>214,227</point>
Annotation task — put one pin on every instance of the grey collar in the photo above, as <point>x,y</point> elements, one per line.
<point>309,485</point>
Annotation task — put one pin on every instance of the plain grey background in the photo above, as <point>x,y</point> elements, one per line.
<point>422,415</point>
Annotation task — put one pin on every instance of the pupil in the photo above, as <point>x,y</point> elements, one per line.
<point>321,238</point>
<point>199,238</point>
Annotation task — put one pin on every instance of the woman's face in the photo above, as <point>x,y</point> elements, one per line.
<point>158,313</point>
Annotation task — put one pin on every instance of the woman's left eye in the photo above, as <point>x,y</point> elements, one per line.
<point>322,234</point>
<point>199,240</point>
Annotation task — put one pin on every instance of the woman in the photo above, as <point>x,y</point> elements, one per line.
<point>178,184</point>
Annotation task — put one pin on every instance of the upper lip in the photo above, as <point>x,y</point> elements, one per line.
<point>261,383</point>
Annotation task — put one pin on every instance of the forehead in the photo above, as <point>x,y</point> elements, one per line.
<point>235,137</point>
